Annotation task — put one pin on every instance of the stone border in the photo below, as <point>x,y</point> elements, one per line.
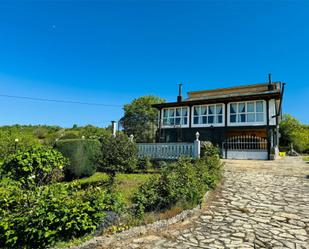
<point>139,230</point>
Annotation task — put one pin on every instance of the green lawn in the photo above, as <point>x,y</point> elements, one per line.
<point>127,184</point>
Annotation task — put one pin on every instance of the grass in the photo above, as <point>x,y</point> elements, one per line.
<point>127,184</point>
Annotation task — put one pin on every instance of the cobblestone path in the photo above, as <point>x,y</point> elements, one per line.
<point>260,204</point>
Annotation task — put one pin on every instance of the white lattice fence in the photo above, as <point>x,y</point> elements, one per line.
<point>169,150</point>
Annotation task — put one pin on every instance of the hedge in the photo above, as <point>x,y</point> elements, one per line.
<point>83,155</point>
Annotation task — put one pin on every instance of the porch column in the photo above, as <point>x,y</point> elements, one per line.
<point>224,151</point>
<point>267,129</point>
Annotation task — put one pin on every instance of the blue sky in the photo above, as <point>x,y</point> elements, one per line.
<point>113,51</point>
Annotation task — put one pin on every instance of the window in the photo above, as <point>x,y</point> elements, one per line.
<point>247,112</point>
<point>176,116</point>
<point>208,114</point>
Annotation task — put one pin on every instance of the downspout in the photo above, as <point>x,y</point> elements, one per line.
<point>279,114</point>
<point>281,98</point>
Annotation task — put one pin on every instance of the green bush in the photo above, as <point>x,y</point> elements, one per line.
<point>118,154</point>
<point>208,149</point>
<point>144,163</point>
<point>35,166</point>
<point>39,218</point>
<point>70,135</point>
<point>158,163</point>
<point>184,181</point>
<point>83,155</point>
<point>12,140</point>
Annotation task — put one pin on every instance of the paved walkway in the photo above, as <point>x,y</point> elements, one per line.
<point>260,204</point>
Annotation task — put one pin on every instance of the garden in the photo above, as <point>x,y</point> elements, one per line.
<point>60,186</point>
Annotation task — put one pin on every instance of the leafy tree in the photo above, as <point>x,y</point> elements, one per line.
<point>140,118</point>
<point>293,132</point>
<point>118,154</point>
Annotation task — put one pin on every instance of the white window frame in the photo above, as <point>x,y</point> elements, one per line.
<point>237,113</point>
<point>215,115</point>
<point>175,126</point>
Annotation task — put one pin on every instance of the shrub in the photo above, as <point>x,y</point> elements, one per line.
<point>152,195</point>
<point>184,181</point>
<point>41,132</point>
<point>39,218</point>
<point>70,135</point>
<point>8,145</point>
<point>144,163</point>
<point>35,166</point>
<point>118,154</point>
<point>158,164</point>
<point>83,155</point>
<point>210,169</point>
<point>208,149</point>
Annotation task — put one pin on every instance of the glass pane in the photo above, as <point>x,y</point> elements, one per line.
<point>219,119</point>
<point>203,110</point>
<point>178,112</point>
<point>241,107</point>
<point>185,121</point>
<point>195,120</point>
<point>196,111</point>
<point>259,106</point>
<point>233,118</point>
<point>210,119</point>
<point>177,121</point>
<point>165,113</point>
<point>184,112</point>
<point>219,109</point>
<point>165,121</point>
<point>204,120</point>
<point>233,108</point>
<point>211,109</point>
<point>171,112</point>
<point>259,117</point>
<point>242,118</point>
<point>250,107</point>
<point>171,121</point>
<point>250,117</point>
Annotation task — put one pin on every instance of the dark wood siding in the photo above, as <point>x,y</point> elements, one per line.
<point>214,134</point>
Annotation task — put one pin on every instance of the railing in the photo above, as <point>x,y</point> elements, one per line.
<point>245,142</point>
<point>170,150</point>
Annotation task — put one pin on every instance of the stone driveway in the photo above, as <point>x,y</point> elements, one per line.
<point>260,204</point>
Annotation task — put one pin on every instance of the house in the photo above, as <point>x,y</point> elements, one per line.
<point>242,120</point>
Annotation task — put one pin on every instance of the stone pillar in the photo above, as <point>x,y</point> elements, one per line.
<point>114,124</point>
<point>197,146</point>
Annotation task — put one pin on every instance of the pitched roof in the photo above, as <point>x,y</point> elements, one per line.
<point>237,93</point>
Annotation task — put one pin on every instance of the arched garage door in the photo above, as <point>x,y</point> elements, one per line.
<point>245,147</point>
